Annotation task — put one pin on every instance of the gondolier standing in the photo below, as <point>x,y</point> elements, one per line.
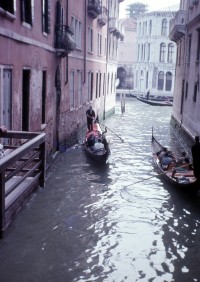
<point>196,157</point>
<point>90,117</point>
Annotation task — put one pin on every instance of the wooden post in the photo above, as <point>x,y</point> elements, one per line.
<point>2,202</point>
<point>43,164</point>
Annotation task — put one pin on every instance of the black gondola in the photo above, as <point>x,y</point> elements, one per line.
<point>154,102</point>
<point>181,176</point>
<point>96,145</point>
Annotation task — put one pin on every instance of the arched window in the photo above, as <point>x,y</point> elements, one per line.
<point>145,28</point>
<point>138,57</point>
<point>150,27</point>
<point>149,49</point>
<point>162,52</point>
<point>164,27</point>
<point>141,79</point>
<point>142,53</point>
<point>168,84</point>
<point>160,80</point>
<point>147,80</point>
<point>170,53</point>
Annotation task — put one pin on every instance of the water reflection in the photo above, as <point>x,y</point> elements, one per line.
<point>108,223</point>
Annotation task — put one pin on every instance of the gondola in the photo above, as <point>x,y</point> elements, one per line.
<point>155,102</point>
<point>181,176</point>
<point>96,145</point>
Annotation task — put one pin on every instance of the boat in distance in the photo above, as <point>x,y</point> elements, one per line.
<point>96,145</point>
<point>179,175</point>
<point>155,102</point>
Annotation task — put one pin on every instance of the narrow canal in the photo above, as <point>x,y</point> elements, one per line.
<point>100,224</point>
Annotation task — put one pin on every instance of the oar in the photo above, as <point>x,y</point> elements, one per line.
<point>155,175</point>
<point>112,132</point>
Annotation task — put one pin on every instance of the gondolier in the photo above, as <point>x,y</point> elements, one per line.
<point>90,117</point>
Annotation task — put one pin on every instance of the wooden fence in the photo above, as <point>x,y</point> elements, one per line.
<point>22,169</point>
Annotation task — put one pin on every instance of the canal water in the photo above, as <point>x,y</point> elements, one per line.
<point>108,223</point>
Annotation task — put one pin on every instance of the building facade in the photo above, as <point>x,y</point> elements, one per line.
<point>56,59</point>
<point>185,32</point>
<point>127,54</point>
<point>154,68</point>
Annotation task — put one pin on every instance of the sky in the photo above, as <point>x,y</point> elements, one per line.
<point>153,5</point>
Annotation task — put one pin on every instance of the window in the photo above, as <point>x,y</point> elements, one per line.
<point>104,84</point>
<point>150,27</point>
<point>25,99</point>
<point>164,27</point>
<point>105,48</point>
<point>66,69</point>
<point>44,79</point>
<point>182,96</point>
<point>99,46</point>
<point>149,52</point>
<point>111,84</point>
<point>147,80</point>
<point>162,52</point>
<point>189,47</point>
<point>26,11</point>
<point>186,90</point>
<point>77,28</point>
<point>170,53</point>
<point>80,98</point>
<point>71,90</point>
<point>195,92</point>
<point>142,53</point>
<point>46,16</point>
<point>168,85</point>
<point>7,5</point>
<point>97,84</point>
<point>100,85</point>
<point>90,39</point>
<point>160,80</point>
<point>90,86</point>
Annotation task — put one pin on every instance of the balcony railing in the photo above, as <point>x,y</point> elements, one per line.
<point>22,169</point>
<point>178,26</point>
<point>94,8</point>
<point>103,18</point>
<point>114,28</point>
<point>64,39</point>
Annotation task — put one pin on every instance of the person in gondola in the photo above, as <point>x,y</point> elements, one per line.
<point>90,117</point>
<point>195,149</point>
<point>91,140</point>
<point>166,158</point>
<point>162,153</point>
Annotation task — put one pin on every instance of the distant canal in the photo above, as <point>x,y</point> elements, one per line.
<point>100,224</point>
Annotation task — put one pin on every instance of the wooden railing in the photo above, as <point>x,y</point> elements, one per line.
<point>22,169</point>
